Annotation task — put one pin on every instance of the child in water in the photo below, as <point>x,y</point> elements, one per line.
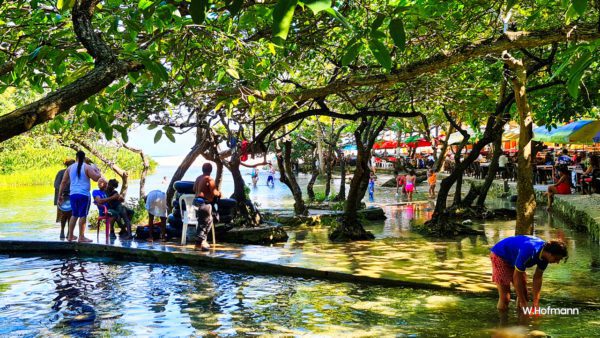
<point>372,186</point>
<point>410,184</point>
<point>432,180</point>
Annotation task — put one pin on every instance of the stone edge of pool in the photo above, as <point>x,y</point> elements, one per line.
<point>14,247</point>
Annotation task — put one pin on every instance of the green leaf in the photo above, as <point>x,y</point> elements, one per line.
<point>145,4</point>
<point>233,73</point>
<point>351,53</point>
<point>397,33</point>
<point>157,136</point>
<point>378,22</point>
<point>158,71</point>
<point>577,71</point>
<point>264,84</point>
<point>65,4</point>
<point>282,19</point>
<point>510,4</point>
<point>198,10</point>
<point>580,6</point>
<point>317,5</point>
<point>169,135</point>
<point>337,15</point>
<point>381,53</point>
<point>152,126</point>
<point>234,6</point>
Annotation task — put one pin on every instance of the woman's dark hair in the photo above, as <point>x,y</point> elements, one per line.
<point>563,169</point>
<point>595,161</point>
<point>557,248</point>
<point>80,156</point>
<point>412,172</point>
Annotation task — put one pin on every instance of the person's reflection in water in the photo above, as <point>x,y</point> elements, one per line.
<point>78,317</point>
<point>441,253</point>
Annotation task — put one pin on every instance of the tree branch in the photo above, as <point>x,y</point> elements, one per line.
<point>433,64</point>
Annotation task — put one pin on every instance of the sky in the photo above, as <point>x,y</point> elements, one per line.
<point>143,138</point>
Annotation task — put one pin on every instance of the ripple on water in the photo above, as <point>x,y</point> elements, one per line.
<point>80,297</point>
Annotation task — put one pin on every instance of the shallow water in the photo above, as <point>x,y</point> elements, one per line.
<point>83,297</point>
<point>87,297</point>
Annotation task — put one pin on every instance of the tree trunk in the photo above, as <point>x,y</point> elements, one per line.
<point>123,174</point>
<point>525,194</point>
<point>108,67</point>
<point>284,162</point>
<point>250,216</point>
<point>492,170</point>
<point>342,193</point>
<point>313,178</point>
<point>187,162</point>
<point>440,162</point>
<point>350,227</point>
<point>145,167</point>
<point>219,175</point>
<point>320,153</point>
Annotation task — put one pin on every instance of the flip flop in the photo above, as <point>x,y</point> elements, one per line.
<point>85,240</point>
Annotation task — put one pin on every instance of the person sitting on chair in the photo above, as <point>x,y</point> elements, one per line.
<point>562,186</point>
<point>205,188</point>
<point>101,200</point>
<point>123,213</point>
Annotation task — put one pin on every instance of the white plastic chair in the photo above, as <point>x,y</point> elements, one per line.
<point>189,217</point>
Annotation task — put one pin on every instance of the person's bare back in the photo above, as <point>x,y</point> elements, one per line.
<point>206,188</point>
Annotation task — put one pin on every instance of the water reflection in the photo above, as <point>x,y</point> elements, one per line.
<point>110,298</point>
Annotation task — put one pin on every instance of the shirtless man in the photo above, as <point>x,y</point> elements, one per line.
<point>206,189</point>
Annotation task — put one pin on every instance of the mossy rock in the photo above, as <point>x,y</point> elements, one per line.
<point>267,233</point>
<point>297,221</point>
<point>372,214</point>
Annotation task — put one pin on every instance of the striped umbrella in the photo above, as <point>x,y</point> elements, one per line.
<point>579,132</point>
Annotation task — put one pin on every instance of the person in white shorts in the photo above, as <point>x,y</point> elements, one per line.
<point>156,204</point>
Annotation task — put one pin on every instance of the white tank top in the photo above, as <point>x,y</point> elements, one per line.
<point>79,185</point>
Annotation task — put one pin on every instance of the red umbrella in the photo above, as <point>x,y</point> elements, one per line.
<point>419,143</point>
<point>389,145</point>
<point>378,145</point>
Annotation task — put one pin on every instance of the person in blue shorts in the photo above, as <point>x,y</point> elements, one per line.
<point>271,177</point>
<point>77,178</point>
<point>512,256</point>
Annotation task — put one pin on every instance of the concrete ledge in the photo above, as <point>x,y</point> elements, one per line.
<point>580,211</point>
<point>196,258</point>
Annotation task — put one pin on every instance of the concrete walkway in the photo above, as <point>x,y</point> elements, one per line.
<point>581,212</point>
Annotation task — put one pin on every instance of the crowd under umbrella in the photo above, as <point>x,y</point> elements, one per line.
<point>579,132</point>
<point>416,141</point>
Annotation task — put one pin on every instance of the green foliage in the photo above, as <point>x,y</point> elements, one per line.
<point>282,19</point>
<point>140,214</point>
<point>198,10</point>
<point>321,197</point>
<point>34,160</point>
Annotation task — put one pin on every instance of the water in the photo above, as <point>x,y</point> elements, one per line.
<point>92,297</point>
<point>80,297</point>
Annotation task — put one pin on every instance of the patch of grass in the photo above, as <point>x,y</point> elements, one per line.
<point>35,160</point>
